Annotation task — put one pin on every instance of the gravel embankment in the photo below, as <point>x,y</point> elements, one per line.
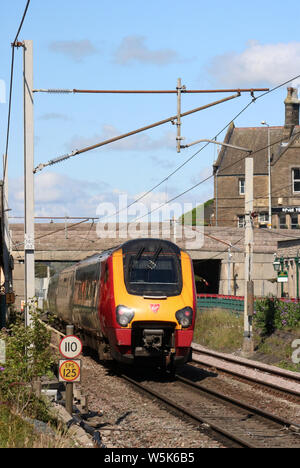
<point>131,420</point>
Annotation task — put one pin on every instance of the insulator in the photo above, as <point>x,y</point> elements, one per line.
<point>60,91</point>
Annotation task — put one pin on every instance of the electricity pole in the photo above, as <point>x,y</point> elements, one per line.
<point>228,271</point>
<point>249,293</point>
<point>6,246</point>
<point>269,176</point>
<point>28,181</point>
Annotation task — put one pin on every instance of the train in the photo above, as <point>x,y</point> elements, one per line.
<point>135,303</point>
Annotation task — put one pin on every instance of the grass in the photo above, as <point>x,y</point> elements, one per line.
<point>15,432</point>
<point>219,330</point>
<point>279,349</point>
<point>223,331</point>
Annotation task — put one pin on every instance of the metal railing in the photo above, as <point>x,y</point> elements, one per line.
<point>220,301</point>
<point>231,303</point>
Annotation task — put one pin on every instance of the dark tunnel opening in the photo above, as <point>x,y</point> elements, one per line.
<point>207,276</point>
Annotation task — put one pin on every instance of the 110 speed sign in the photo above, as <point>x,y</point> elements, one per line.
<point>70,347</point>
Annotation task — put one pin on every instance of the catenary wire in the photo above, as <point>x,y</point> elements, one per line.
<point>11,88</point>
<point>203,147</point>
<point>185,162</point>
<point>179,167</point>
<point>206,179</point>
<point>54,232</point>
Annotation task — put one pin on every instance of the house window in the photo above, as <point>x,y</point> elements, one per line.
<point>263,217</point>
<point>242,186</point>
<point>296,180</point>
<point>282,221</point>
<point>294,221</point>
<point>241,221</point>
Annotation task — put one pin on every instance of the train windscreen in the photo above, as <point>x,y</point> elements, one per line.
<point>145,270</point>
<point>153,269</point>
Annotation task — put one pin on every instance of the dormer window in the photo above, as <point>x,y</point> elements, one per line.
<point>296,180</point>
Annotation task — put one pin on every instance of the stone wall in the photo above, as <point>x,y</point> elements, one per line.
<point>54,243</point>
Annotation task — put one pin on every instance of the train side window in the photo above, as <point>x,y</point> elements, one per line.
<point>106,274</point>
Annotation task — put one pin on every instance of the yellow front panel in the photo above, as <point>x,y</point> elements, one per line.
<point>162,309</point>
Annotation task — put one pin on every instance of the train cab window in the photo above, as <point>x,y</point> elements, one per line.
<point>162,271</point>
<point>153,274</point>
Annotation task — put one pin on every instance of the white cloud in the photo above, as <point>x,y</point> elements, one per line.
<point>205,173</point>
<point>133,49</point>
<point>76,50</point>
<point>258,64</point>
<point>54,116</point>
<point>59,195</point>
<point>152,198</point>
<point>164,163</point>
<point>137,142</point>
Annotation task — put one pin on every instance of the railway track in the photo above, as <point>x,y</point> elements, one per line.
<point>258,373</point>
<point>228,419</point>
<point>233,422</point>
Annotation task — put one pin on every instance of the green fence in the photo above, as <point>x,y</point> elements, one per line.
<point>218,301</point>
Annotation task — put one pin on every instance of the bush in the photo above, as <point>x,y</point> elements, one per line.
<point>28,357</point>
<point>272,314</point>
<point>288,315</point>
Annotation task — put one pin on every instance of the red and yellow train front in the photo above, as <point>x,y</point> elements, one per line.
<point>153,308</point>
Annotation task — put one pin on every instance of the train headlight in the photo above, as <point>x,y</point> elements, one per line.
<point>124,315</point>
<point>185,317</point>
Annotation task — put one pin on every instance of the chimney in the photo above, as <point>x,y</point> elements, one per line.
<point>291,108</point>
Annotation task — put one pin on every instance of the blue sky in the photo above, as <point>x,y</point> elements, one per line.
<point>138,45</point>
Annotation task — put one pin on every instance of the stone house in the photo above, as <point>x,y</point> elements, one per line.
<point>284,153</point>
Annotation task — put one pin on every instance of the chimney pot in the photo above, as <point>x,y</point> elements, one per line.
<point>291,108</point>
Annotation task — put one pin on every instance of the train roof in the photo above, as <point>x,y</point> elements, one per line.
<point>130,245</point>
<point>152,243</point>
<point>170,246</point>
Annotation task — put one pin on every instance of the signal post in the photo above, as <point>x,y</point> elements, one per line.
<point>70,368</point>
<point>248,347</point>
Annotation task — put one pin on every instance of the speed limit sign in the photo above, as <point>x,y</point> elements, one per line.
<point>70,347</point>
<point>69,370</point>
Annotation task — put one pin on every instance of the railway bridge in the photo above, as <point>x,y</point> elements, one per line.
<point>218,255</point>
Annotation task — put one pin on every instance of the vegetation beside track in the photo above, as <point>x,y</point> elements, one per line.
<point>275,325</point>
<point>219,330</point>
<point>27,358</point>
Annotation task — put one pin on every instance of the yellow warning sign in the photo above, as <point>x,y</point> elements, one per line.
<point>69,370</point>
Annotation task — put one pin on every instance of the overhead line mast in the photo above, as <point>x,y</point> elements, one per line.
<point>172,119</point>
<point>176,118</point>
<point>142,91</point>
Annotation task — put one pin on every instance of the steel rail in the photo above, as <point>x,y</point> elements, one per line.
<point>249,378</point>
<point>252,409</point>
<point>250,364</point>
<point>240,440</point>
<point>215,428</point>
<point>196,419</point>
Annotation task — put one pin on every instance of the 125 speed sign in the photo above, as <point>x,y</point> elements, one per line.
<point>69,370</point>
